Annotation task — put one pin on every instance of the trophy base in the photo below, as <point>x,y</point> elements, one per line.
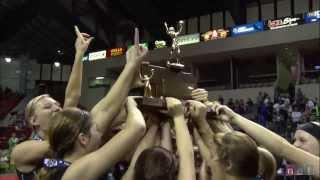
<point>152,103</point>
<point>175,66</point>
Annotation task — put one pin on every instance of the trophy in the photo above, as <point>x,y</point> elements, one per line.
<point>170,81</point>
<point>175,48</point>
<point>150,98</point>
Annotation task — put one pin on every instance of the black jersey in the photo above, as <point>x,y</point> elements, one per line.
<point>61,166</point>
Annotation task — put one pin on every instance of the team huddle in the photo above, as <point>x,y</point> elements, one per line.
<point>117,139</point>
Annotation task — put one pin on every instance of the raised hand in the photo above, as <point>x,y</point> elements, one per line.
<point>136,54</point>
<point>134,116</point>
<point>175,107</point>
<point>222,110</point>
<point>200,95</point>
<point>197,110</point>
<point>83,40</point>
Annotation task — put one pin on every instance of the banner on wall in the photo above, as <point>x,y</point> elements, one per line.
<point>188,39</point>
<point>116,52</point>
<point>160,44</point>
<point>283,22</point>
<point>97,55</point>
<point>215,34</point>
<point>311,17</point>
<point>247,28</point>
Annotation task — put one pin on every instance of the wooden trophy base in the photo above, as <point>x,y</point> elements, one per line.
<point>152,103</point>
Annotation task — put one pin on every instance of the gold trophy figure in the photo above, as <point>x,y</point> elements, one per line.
<point>150,99</point>
<point>147,86</point>
<point>175,48</point>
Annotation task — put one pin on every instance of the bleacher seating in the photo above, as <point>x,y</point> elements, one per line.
<point>7,104</point>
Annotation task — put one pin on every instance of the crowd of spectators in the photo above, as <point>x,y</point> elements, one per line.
<point>282,114</point>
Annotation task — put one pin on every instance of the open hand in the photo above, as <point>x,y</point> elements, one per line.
<point>197,110</point>
<point>174,106</point>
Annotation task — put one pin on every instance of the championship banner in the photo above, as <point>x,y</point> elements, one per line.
<point>283,22</point>
<point>215,34</point>
<point>116,52</point>
<point>97,55</point>
<point>247,29</point>
<point>160,44</point>
<point>188,39</point>
<point>312,17</point>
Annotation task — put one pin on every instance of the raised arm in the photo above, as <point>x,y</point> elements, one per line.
<point>166,141</point>
<point>272,141</point>
<point>95,164</point>
<point>73,90</point>
<point>25,161</point>
<point>180,26</point>
<point>204,150</point>
<point>147,142</point>
<point>198,114</point>
<point>183,141</point>
<point>106,109</point>
<point>166,26</point>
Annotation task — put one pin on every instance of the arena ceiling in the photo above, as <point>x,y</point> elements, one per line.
<point>41,28</point>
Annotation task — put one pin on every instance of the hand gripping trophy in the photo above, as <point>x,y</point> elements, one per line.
<point>175,48</point>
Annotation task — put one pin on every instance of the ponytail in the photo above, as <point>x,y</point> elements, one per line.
<point>267,164</point>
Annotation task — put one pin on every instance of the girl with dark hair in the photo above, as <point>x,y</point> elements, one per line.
<point>296,153</point>
<point>152,162</point>
<point>74,142</point>
<point>28,155</point>
<point>229,154</point>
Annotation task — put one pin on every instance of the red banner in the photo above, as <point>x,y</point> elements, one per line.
<point>116,52</point>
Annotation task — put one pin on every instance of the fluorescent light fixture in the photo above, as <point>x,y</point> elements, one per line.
<point>98,78</point>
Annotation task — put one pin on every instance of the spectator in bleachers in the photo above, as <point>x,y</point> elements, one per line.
<point>310,104</point>
<point>237,106</point>
<point>13,141</point>
<point>263,113</point>
<point>292,93</point>
<point>277,118</point>
<point>249,102</point>
<point>220,99</point>
<point>231,103</point>
<point>299,96</point>
<point>260,98</point>
<point>296,116</point>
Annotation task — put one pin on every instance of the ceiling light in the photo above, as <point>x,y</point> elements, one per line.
<point>8,60</point>
<point>56,64</point>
